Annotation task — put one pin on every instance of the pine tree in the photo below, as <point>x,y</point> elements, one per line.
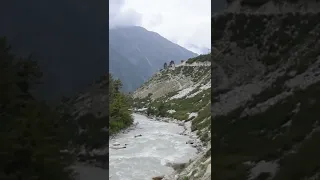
<point>119,113</point>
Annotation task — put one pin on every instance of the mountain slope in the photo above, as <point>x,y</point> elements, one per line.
<point>265,104</point>
<point>183,93</point>
<point>135,54</point>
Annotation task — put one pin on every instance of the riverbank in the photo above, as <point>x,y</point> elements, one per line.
<point>181,169</point>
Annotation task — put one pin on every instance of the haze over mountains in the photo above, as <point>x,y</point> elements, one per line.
<point>136,53</point>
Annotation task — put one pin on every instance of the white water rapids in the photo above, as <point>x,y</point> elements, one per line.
<point>145,156</point>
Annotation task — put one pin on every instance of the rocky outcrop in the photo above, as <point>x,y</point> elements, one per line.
<point>172,80</point>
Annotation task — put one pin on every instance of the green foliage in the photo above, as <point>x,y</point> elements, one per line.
<point>119,113</point>
<point>200,58</point>
<point>180,115</point>
<point>192,104</point>
<point>162,110</point>
<point>202,120</point>
<point>31,133</point>
<point>141,102</point>
<point>182,106</point>
<point>150,111</point>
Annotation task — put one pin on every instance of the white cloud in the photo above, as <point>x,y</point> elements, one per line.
<point>185,22</point>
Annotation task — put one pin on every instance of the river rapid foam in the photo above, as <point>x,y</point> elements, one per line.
<point>146,156</point>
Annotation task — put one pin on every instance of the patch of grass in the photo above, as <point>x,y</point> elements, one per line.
<point>200,58</point>
<point>193,104</point>
<point>202,120</point>
<point>180,115</point>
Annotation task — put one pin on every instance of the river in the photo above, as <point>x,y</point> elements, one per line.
<point>145,156</point>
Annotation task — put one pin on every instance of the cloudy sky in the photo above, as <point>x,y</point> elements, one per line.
<point>185,22</point>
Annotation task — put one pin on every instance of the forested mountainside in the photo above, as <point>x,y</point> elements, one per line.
<point>135,54</point>
<point>182,92</point>
<point>68,38</point>
<point>265,94</point>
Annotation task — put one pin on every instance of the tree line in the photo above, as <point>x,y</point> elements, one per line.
<point>119,107</point>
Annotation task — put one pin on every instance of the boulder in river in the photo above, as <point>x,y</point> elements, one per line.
<point>181,123</point>
<point>158,178</point>
<point>138,135</point>
<point>190,142</point>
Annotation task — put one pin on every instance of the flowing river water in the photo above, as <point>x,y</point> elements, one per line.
<point>145,156</point>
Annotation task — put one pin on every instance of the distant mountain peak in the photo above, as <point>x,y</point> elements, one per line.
<point>136,53</point>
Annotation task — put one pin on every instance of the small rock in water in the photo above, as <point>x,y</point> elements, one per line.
<point>118,147</point>
<point>194,145</point>
<point>116,144</point>
<point>138,135</point>
<point>158,178</point>
<point>189,142</point>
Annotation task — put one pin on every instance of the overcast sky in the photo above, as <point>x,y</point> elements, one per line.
<point>185,22</point>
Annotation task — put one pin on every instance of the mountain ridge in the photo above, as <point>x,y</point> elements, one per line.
<point>146,50</point>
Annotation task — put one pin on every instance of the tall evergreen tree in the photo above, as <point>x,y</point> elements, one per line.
<point>119,113</point>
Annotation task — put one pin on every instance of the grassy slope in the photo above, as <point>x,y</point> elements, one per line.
<point>199,103</point>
